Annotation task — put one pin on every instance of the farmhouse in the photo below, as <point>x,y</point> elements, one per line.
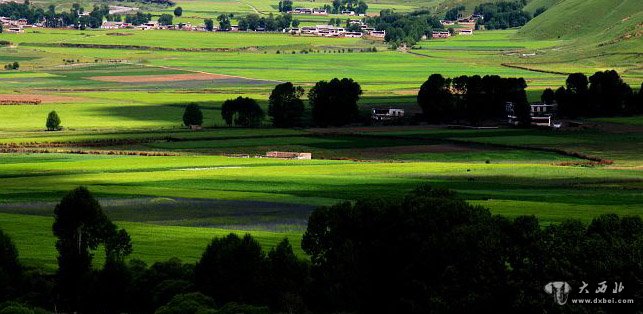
<point>541,114</point>
<point>314,11</point>
<point>465,31</point>
<point>378,34</point>
<point>353,34</point>
<point>441,34</point>
<point>16,29</point>
<point>348,12</point>
<point>447,22</point>
<point>378,114</point>
<point>289,155</point>
<point>112,25</point>
<point>149,25</point>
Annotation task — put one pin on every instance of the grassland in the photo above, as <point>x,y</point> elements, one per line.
<point>186,199</point>
<point>173,205</point>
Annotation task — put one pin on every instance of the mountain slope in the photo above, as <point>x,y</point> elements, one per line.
<point>592,22</point>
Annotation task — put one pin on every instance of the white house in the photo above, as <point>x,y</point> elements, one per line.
<point>379,114</point>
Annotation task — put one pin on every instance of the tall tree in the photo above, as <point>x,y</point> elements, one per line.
<point>285,105</point>
<point>10,268</point>
<point>80,226</point>
<point>608,94</point>
<point>574,102</point>
<point>334,103</point>
<point>435,99</point>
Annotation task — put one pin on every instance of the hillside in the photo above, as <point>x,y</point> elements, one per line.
<point>595,34</point>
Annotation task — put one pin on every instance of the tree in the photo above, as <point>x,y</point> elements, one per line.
<point>10,268</point>
<point>53,121</point>
<point>1,28</point>
<point>285,105</point>
<point>548,96</point>
<point>430,245</point>
<point>224,22</point>
<point>285,6</point>
<point>80,226</point>
<point>242,111</point>
<point>165,19</point>
<point>190,303</point>
<point>286,275</point>
<point>232,269</point>
<point>192,115</point>
<point>334,103</point>
<point>574,102</point>
<point>518,96</point>
<point>361,7</point>
<point>209,25</point>
<point>178,11</point>
<point>608,94</point>
<point>295,23</point>
<point>435,99</point>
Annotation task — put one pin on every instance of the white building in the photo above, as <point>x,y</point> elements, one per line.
<point>379,114</point>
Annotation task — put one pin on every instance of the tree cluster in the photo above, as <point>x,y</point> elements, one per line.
<point>165,19</point>
<point>357,6</point>
<point>138,18</point>
<point>427,252</point>
<point>12,66</point>
<point>405,28</point>
<point>242,112</point>
<point>254,22</point>
<point>334,103</point>
<point>603,94</point>
<point>15,10</point>
<point>473,99</point>
<point>454,13</point>
<point>434,252</point>
<point>503,14</point>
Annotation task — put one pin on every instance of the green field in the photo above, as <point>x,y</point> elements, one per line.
<point>194,196</point>
<point>120,95</point>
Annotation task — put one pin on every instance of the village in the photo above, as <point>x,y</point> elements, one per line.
<point>462,26</point>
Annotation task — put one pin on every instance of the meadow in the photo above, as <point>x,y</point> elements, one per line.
<point>196,195</point>
<point>107,91</point>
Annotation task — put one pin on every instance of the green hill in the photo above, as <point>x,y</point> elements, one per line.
<point>595,34</point>
<point>597,23</point>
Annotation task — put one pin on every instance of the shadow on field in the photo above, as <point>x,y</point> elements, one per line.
<point>169,112</point>
<point>248,215</point>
